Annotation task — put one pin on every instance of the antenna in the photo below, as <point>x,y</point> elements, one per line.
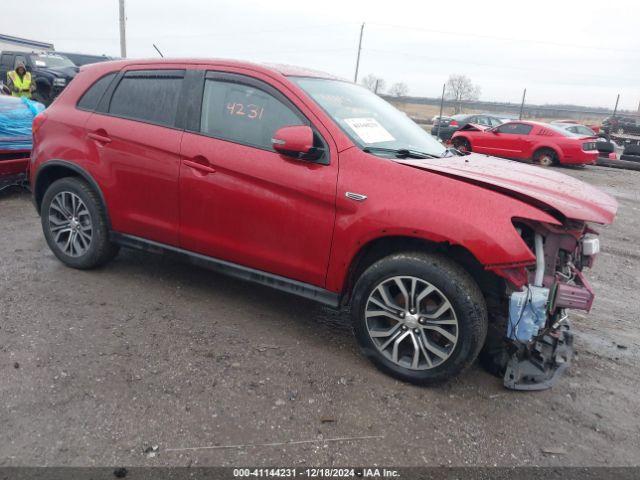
<point>158,50</point>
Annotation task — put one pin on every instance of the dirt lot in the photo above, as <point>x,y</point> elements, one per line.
<point>97,366</point>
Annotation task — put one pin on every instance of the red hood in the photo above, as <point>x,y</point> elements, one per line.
<point>543,187</point>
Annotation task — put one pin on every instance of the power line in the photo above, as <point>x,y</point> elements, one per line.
<point>503,66</point>
<point>166,35</point>
<point>503,39</point>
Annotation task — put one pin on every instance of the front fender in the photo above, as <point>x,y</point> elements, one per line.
<point>427,206</point>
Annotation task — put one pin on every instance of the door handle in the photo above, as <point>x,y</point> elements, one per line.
<point>100,138</point>
<point>200,164</point>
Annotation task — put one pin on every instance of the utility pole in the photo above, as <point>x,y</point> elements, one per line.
<point>355,78</point>
<point>524,95</point>
<point>615,109</point>
<point>441,107</point>
<point>123,31</point>
<point>375,90</point>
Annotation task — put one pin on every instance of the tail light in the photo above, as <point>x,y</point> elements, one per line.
<point>37,122</point>
<point>453,123</point>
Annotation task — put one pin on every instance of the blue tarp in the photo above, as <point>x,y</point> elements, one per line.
<point>16,117</point>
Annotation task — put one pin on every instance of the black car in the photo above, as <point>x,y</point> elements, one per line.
<point>80,59</point>
<point>621,125</point>
<point>50,72</point>
<point>448,125</point>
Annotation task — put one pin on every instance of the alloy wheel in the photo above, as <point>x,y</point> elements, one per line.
<point>545,160</point>
<point>411,322</point>
<point>70,224</point>
<point>463,147</point>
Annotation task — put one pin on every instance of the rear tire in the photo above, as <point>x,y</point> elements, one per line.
<point>430,331</point>
<point>545,157</point>
<point>75,226</point>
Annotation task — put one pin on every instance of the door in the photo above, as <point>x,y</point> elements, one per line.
<point>135,142</point>
<point>508,140</point>
<point>241,201</point>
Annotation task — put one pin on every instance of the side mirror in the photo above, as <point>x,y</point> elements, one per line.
<point>294,141</point>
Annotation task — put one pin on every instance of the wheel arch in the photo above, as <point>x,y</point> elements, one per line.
<point>53,170</point>
<point>462,137</point>
<point>541,147</point>
<point>380,247</point>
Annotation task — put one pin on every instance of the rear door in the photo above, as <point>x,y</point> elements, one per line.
<point>241,201</point>
<point>134,134</point>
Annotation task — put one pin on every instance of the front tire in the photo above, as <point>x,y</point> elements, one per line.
<point>75,225</point>
<point>419,317</point>
<point>462,145</point>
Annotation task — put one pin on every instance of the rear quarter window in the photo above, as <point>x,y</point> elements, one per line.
<point>91,98</point>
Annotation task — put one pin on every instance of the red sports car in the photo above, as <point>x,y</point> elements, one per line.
<point>543,143</point>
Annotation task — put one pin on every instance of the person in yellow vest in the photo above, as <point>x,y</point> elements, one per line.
<point>19,82</point>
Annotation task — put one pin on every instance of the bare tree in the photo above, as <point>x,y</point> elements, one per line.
<point>399,89</point>
<point>373,83</point>
<point>460,88</point>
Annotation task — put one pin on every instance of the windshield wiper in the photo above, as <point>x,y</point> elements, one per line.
<point>399,152</point>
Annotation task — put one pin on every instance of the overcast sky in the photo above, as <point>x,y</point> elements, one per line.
<point>562,51</point>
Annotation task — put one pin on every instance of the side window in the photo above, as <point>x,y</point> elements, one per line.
<point>90,98</point>
<point>515,128</point>
<point>494,121</point>
<point>6,60</point>
<point>524,129</point>
<point>481,120</point>
<point>150,96</point>
<point>243,114</point>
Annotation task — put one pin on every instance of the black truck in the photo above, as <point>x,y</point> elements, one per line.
<point>50,72</point>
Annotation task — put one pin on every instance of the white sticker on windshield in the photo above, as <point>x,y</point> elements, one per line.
<point>369,130</point>
<point>40,63</point>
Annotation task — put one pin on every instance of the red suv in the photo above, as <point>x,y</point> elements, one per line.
<point>316,186</point>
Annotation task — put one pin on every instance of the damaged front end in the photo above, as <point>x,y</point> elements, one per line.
<point>539,342</point>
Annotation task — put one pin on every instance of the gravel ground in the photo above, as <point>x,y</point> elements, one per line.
<point>96,367</point>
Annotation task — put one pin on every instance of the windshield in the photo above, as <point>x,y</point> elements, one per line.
<point>367,119</point>
<point>51,61</point>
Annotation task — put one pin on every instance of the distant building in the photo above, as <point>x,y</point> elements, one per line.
<point>7,42</point>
